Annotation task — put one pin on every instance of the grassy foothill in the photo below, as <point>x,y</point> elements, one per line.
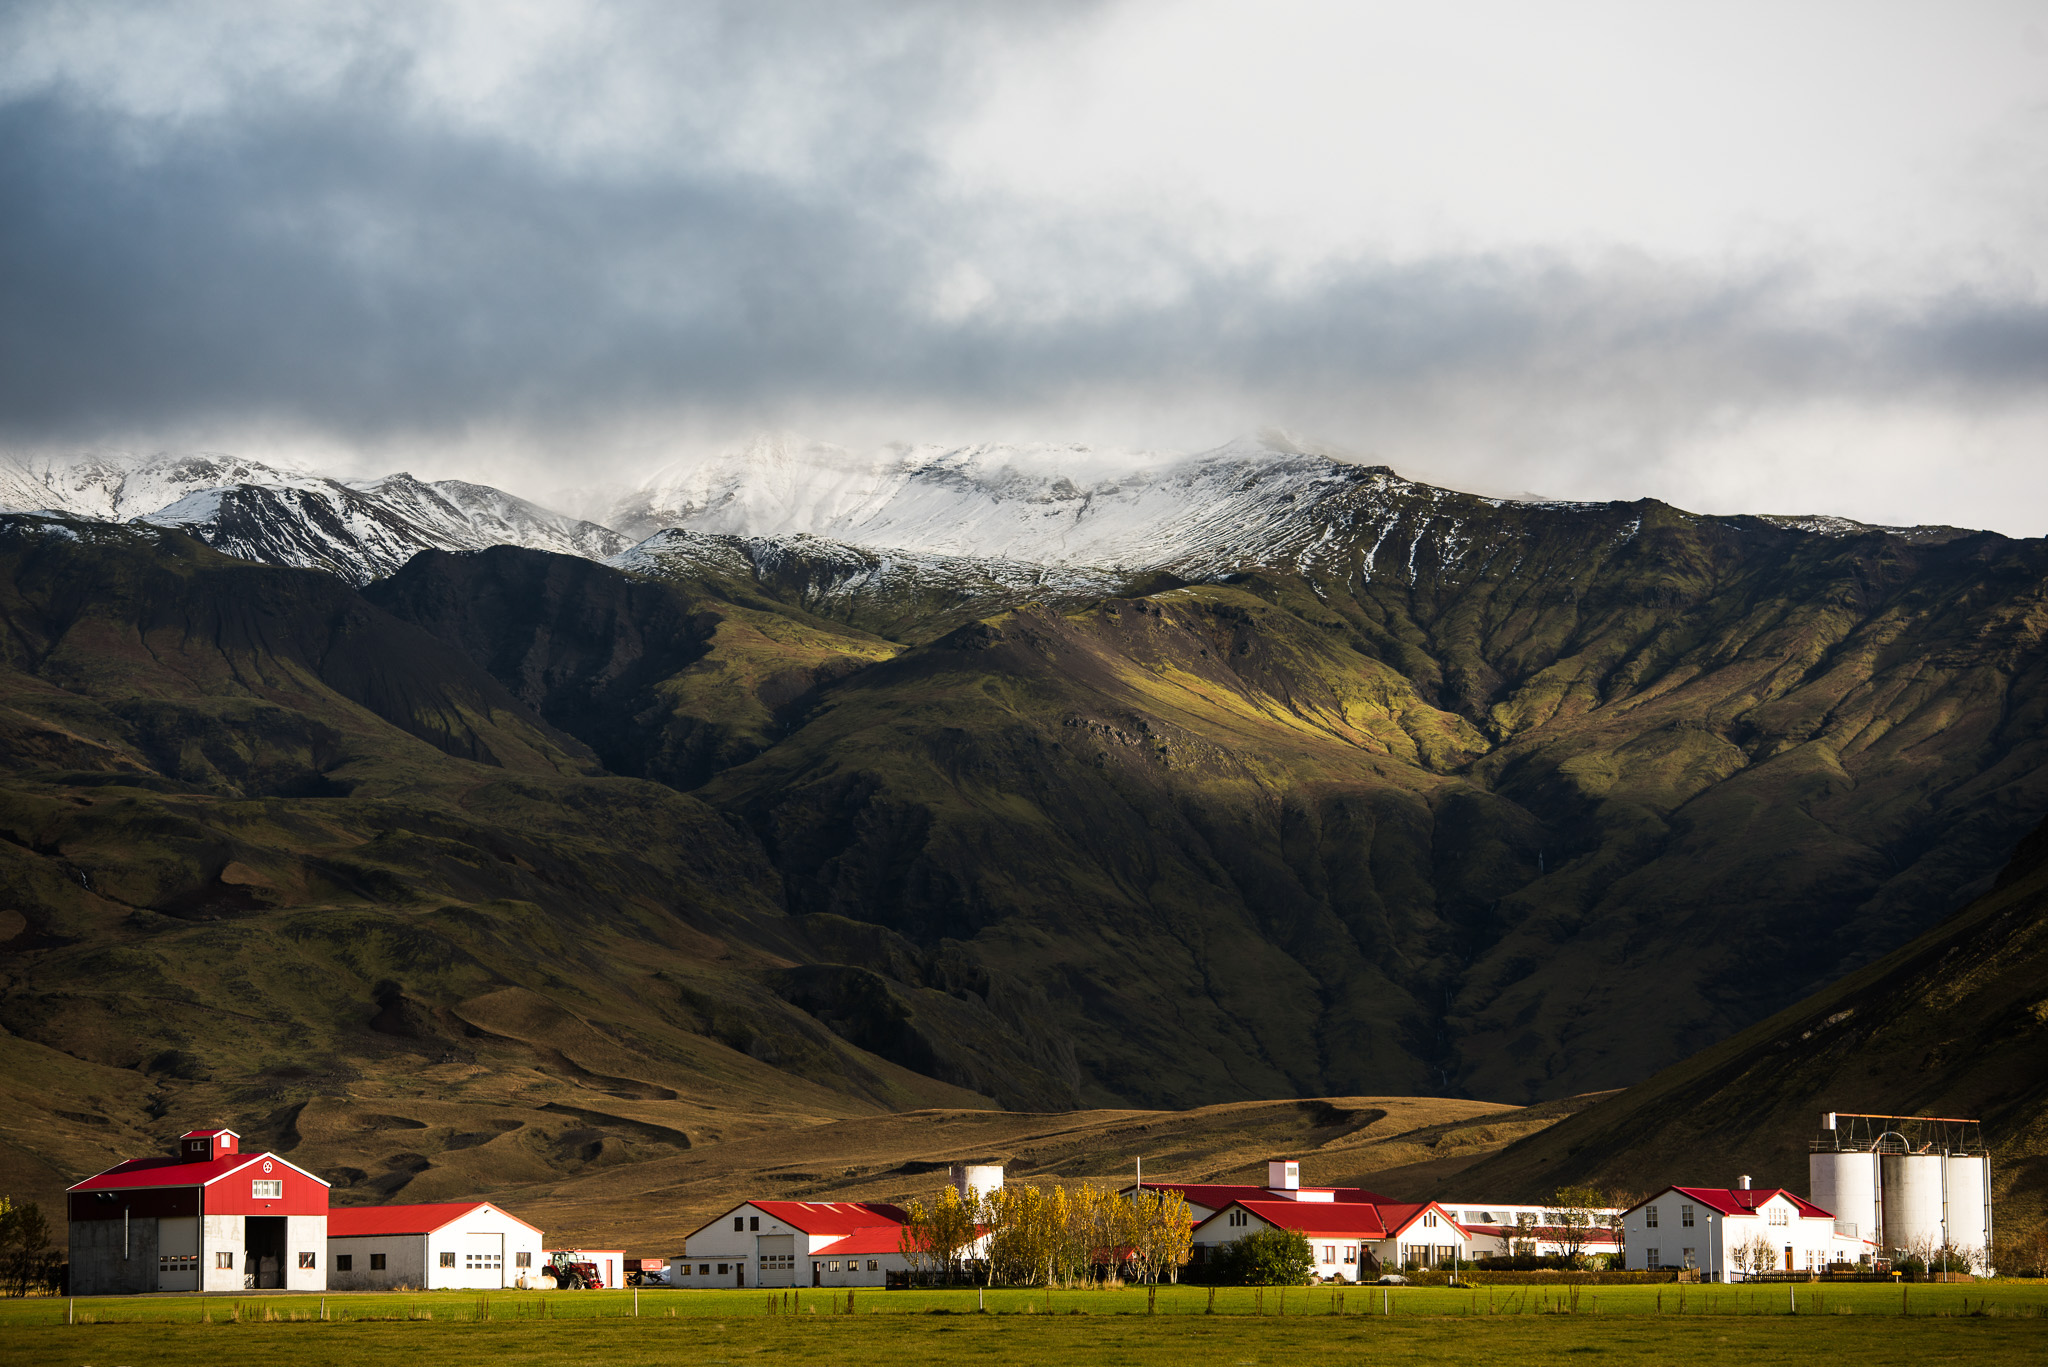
<point>1872,1325</point>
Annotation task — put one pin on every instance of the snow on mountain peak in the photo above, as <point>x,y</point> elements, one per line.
<point>1048,504</point>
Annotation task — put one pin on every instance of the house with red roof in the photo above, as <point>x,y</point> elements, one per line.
<point>1354,1240</point>
<point>1729,1233</point>
<point>795,1243</point>
<point>442,1246</point>
<point>207,1218</point>
<point>1283,1183</point>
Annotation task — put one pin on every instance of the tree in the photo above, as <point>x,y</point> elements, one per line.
<point>1160,1233</point>
<point>938,1237</point>
<point>1574,1214</point>
<point>26,1258</point>
<point>1267,1257</point>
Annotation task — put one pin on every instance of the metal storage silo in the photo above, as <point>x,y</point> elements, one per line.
<point>1969,1202</point>
<point>1912,1200</point>
<point>1846,1184</point>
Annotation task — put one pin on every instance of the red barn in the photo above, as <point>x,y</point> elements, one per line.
<point>211,1218</point>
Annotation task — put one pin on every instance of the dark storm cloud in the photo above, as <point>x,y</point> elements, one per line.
<point>340,260</point>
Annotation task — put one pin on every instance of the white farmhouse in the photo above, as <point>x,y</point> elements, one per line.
<point>456,1245</point>
<point>795,1243</point>
<point>1354,1240</point>
<point>1730,1232</point>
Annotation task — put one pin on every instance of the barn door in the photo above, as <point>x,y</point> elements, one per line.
<point>263,1252</point>
<point>483,1260</point>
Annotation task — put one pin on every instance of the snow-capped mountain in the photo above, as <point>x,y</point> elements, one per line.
<point>1046,505</point>
<point>358,529</point>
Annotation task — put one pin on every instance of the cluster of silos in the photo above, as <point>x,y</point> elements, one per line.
<point>1908,1184</point>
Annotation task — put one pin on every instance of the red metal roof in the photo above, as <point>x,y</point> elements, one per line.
<point>1742,1200</point>
<point>1400,1215</point>
<point>356,1222</point>
<point>207,1134</point>
<point>1351,1219</point>
<point>831,1217</point>
<point>874,1239</point>
<point>1217,1195</point>
<point>176,1172</point>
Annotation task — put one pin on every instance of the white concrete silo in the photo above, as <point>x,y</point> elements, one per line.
<point>1846,1183</point>
<point>1969,1204</point>
<point>1913,1200</point>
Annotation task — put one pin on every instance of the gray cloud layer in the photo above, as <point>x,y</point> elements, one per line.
<point>346,258</point>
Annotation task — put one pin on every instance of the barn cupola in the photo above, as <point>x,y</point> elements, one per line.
<point>203,1146</point>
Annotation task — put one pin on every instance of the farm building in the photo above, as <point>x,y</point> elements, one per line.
<point>1499,1229</point>
<point>1349,1239</point>
<point>440,1247</point>
<point>1729,1232</point>
<point>208,1218</point>
<point>1283,1183</point>
<point>794,1243</point>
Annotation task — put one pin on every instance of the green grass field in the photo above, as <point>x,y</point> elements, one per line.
<point>1871,1325</point>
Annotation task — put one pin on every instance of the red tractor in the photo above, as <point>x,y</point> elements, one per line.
<point>572,1276</point>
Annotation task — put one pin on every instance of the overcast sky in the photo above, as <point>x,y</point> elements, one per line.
<point>1759,257</point>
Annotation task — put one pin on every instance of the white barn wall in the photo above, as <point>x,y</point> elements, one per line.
<point>221,1234</point>
<point>305,1234</point>
<point>405,1262</point>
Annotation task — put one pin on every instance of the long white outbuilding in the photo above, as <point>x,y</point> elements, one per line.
<point>444,1246</point>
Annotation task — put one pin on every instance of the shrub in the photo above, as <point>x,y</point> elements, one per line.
<point>1269,1257</point>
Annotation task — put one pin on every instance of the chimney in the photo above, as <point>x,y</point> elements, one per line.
<point>1742,1182</point>
<point>1827,1120</point>
<point>1283,1174</point>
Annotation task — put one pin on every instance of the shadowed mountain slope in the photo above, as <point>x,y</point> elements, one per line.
<point>1953,1024</point>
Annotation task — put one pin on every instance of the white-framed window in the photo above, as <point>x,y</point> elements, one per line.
<point>1685,1216</point>
<point>1777,1215</point>
<point>1351,1253</point>
<point>1239,1217</point>
<point>448,1259</point>
<point>874,1265</point>
<point>1688,1258</point>
<point>1429,1222</point>
<point>1649,1217</point>
<point>832,1266</point>
<point>223,1260</point>
<point>266,1189</point>
<point>526,1260</point>
<point>306,1260</point>
<point>1652,1258</point>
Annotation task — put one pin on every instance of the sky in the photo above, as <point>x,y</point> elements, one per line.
<point>1740,256</point>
